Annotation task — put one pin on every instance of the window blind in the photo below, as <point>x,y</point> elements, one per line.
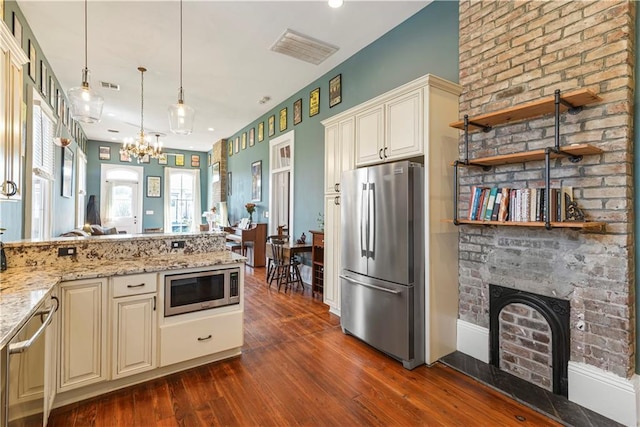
<point>43,147</point>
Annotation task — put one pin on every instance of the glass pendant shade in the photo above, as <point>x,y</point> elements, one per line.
<point>181,118</point>
<point>86,104</point>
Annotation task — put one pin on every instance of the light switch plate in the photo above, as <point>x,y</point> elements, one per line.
<point>149,212</point>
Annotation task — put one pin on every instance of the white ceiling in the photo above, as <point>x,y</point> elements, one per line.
<point>227,67</point>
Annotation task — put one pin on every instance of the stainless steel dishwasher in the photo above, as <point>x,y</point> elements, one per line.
<point>24,357</point>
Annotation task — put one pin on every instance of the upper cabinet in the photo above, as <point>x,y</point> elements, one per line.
<point>338,153</point>
<point>12,59</point>
<point>391,126</point>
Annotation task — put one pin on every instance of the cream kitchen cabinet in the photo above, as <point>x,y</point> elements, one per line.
<point>370,140</point>
<point>83,333</point>
<point>12,59</point>
<point>133,324</point>
<point>338,152</point>
<point>332,236</point>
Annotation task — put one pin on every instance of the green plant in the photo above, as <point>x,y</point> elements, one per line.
<point>320,220</point>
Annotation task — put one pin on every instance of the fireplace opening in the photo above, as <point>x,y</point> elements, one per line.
<point>525,330</point>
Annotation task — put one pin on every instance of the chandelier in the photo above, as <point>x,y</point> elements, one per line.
<point>181,115</point>
<point>86,104</point>
<point>140,146</point>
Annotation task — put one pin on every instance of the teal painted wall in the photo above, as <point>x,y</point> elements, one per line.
<point>425,43</point>
<point>12,213</point>
<point>150,169</point>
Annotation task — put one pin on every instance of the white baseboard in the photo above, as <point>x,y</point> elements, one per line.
<point>473,340</point>
<point>605,393</point>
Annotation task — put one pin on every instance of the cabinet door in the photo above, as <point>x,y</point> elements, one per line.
<point>346,140</point>
<point>404,133</point>
<point>83,337</point>
<point>370,136</point>
<point>331,159</point>
<point>133,335</point>
<point>14,164</point>
<point>331,295</point>
<point>51,361</point>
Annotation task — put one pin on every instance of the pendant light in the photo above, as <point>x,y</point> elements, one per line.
<point>180,114</point>
<point>86,104</point>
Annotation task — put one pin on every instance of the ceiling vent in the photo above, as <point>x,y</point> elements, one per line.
<point>303,47</point>
<point>111,86</point>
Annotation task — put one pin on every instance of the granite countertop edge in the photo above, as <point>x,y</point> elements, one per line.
<point>23,289</point>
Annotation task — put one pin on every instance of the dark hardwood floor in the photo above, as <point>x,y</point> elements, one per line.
<point>298,368</point>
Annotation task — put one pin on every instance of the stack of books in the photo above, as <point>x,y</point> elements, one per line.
<point>518,205</point>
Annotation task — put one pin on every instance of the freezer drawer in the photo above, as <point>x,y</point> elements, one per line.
<point>379,313</point>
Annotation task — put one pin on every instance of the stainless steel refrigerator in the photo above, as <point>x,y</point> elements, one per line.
<point>382,265</point>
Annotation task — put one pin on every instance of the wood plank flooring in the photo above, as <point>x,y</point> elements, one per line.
<point>298,368</point>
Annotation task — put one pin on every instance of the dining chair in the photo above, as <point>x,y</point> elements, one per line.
<point>285,270</point>
<point>269,253</point>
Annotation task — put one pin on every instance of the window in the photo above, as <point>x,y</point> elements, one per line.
<point>182,203</point>
<point>42,171</point>
<point>281,183</point>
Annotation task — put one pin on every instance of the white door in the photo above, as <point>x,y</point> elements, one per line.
<point>121,197</point>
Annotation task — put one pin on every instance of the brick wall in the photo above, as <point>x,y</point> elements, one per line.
<point>525,345</point>
<point>512,52</point>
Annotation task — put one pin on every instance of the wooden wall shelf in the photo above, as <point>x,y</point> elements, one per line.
<point>564,224</point>
<point>529,156</point>
<point>529,110</point>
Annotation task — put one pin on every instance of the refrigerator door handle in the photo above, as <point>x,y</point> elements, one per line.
<point>363,226</point>
<point>372,221</point>
<point>368,285</point>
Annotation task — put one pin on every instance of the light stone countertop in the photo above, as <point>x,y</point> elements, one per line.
<point>22,289</point>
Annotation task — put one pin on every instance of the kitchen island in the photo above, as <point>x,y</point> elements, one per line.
<point>116,284</point>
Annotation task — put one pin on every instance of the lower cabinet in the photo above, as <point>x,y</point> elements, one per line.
<point>331,295</point>
<point>83,333</point>
<point>200,337</point>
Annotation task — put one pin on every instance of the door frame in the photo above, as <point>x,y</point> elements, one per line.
<point>139,171</point>
<point>289,136</point>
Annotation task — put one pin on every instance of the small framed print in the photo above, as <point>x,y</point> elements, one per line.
<point>43,78</point>
<point>145,159</point>
<point>237,144</point>
<point>162,160</point>
<point>125,157</point>
<point>272,125</point>
<point>195,161</point>
<point>56,104</point>
<point>17,29</point>
<point>256,181</point>
<point>297,111</point>
<point>230,147</point>
<point>52,92</point>
<point>260,131</point>
<point>335,91</point>
<point>32,61</point>
<point>67,172</point>
<point>252,137</point>
<point>104,153</point>
<point>179,159</point>
<point>314,102</point>
<point>153,186</point>
<point>215,172</point>
<point>209,160</point>
<point>283,119</point>
<point>229,183</point>
<point>244,140</point>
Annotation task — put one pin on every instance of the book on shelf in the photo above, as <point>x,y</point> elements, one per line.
<point>496,205</point>
<point>490,203</point>
<point>503,213</point>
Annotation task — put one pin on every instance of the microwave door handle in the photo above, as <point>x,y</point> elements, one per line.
<point>363,225</point>
<point>372,220</point>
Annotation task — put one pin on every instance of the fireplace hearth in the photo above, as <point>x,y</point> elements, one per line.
<point>556,314</point>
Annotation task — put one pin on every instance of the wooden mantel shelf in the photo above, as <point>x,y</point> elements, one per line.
<point>564,224</point>
<point>529,110</point>
<point>529,156</point>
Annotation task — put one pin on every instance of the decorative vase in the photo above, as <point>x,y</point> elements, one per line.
<point>250,217</point>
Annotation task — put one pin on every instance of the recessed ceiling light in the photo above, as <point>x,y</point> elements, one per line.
<point>190,147</point>
<point>211,129</point>
<point>335,3</point>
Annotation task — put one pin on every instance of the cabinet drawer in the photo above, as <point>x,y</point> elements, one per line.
<point>318,240</point>
<point>196,338</point>
<point>134,284</point>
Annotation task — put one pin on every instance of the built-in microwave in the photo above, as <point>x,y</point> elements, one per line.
<point>203,290</point>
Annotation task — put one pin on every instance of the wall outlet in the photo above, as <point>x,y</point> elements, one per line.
<point>70,251</point>
<point>266,214</point>
<point>177,244</point>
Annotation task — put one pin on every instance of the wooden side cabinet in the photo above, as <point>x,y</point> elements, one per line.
<point>317,263</point>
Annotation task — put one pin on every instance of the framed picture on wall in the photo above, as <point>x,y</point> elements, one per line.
<point>215,172</point>
<point>252,137</point>
<point>179,159</point>
<point>209,160</point>
<point>228,183</point>
<point>162,160</point>
<point>314,102</point>
<point>104,153</point>
<point>43,79</point>
<point>195,161</point>
<point>297,112</point>
<point>230,147</point>
<point>335,91</point>
<point>283,119</point>
<point>17,29</point>
<point>52,92</point>
<point>153,186</point>
<point>237,144</point>
<point>244,140</point>
<point>125,157</point>
<point>256,181</point>
<point>145,159</point>
<point>260,131</point>
<point>33,60</point>
<point>272,125</point>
